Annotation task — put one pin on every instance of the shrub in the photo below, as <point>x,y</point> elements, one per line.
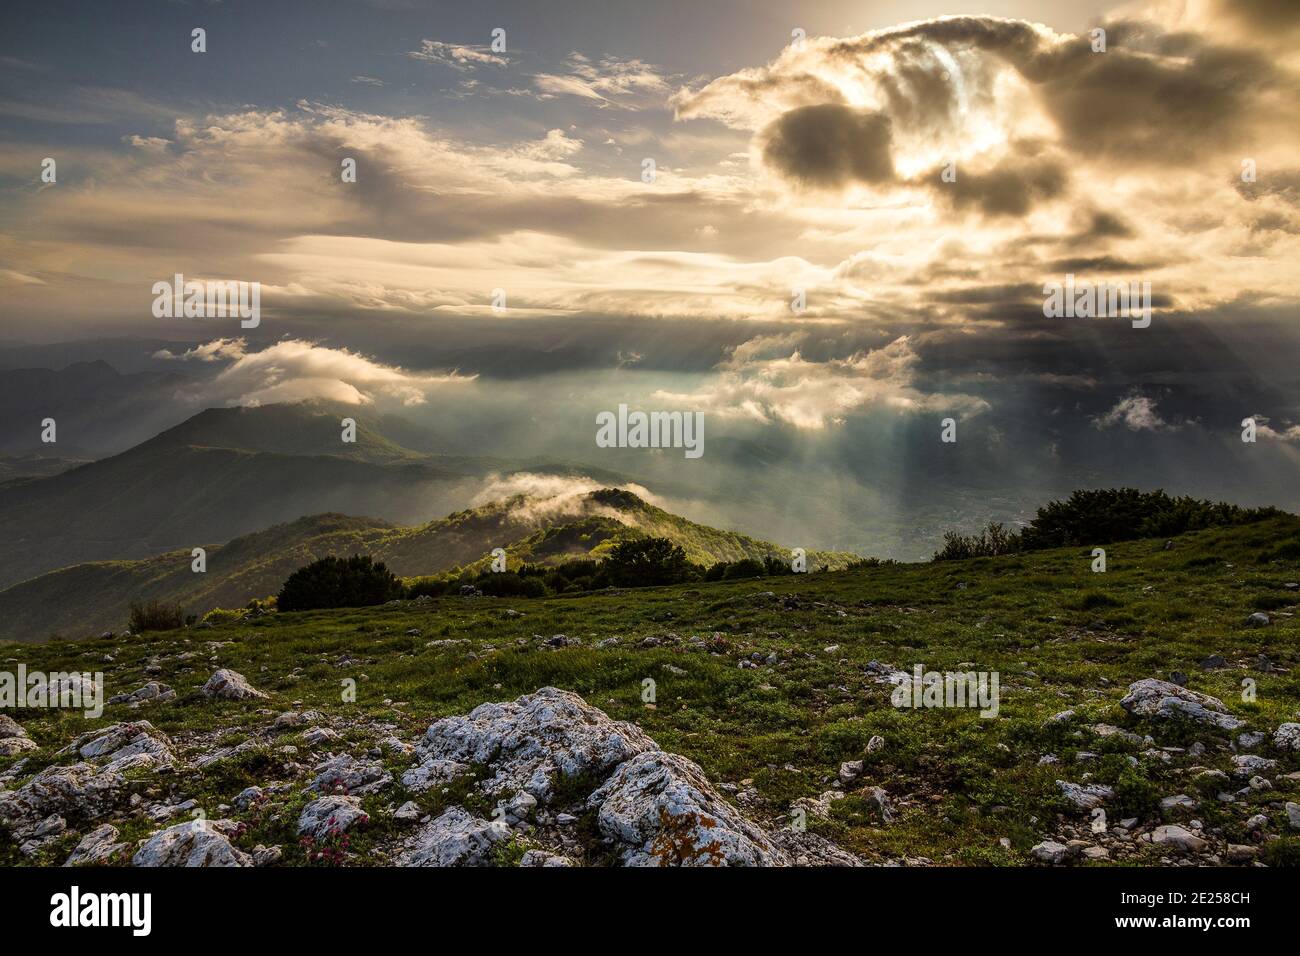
<point>155,616</point>
<point>744,568</point>
<point>339,582</point>
<point>509,584</point>
<point>647,561</point>
<point>428,587</point>
<point>224,615</point>
<point>992,541</point>
<point>1125,514</point>
<point>1282,852</point>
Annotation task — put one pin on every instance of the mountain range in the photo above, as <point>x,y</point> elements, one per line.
<point>264,490</point>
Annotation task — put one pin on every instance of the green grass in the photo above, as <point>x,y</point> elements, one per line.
<point>1059,635</point>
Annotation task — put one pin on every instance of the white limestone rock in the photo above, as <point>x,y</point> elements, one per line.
<point>226,684</point>
<point>661,810</point>
<point>197,843</point>
<point>533,741</point>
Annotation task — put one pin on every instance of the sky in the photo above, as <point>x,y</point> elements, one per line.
<point>854,211</point>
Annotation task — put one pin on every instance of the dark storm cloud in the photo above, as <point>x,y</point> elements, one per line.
<point>1012,188</point>
<point>830,145</point>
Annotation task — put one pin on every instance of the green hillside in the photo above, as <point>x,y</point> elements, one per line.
<point>234,471</point>
<point>92,597</point>
<point>772,687</point>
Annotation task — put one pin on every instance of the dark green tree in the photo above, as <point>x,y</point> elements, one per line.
<point>339,582</point>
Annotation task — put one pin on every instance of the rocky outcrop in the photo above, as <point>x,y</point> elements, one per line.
<point>193,844</point>
<point>1159,699</point>
<point>13,739</point>
<point>456,838</point>
<point>152,691</point>
<point>124,746</point>
<point>659,810</point>
<point>230,685</point>
<point>652,809</point>
<point>97,847</point>
<point>347,775</point>
<point>1287,737</point>
<point>329,816</point>
<point>80,788</point>
<point>533,742</point>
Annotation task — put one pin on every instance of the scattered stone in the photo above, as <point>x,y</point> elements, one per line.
<point>248,797</point>
<point>192,844</point>
<point>394,746</point>
<point>13,746</point>
<point>409,812</point>
<point>1258,619</point>
<point>454,839</point>
<point>96,847</point>
<point>434,772</point>
<point>663,812</point>
<point>1293,814</point>
<point>1161,699</point>
<point>230,685</point>
<point>292,718</point>
<point>10,728</point>
<point>1049,851</point>
<point>1241,853</point>
<point>266,855</point>
<point>1287,737</point>
<point>1249,764</point>
<point>1213,662</point>
<point>84,789</point>
<point>542,858</point>
<point>850,770</point>
<point>875,744</point>
<point>330,815</point>
<point>1085,797</point>
<point>152,691</point>
<point>1177,838</point>
<point>124,746</point>
<point>320,735</point>
<point>1179,801</point>
<point>347,775</point>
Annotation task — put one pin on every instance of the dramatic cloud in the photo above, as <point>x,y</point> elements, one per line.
<point>830,145</point>
<point>294,370</point>
<point>1136,413</point>
<point>759,386</point>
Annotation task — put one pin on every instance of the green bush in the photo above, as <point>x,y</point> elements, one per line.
<point>339,582</point>
<point>155,616</point>
<point>509,584</point>
<point>744,568</point>
<point>1125,514</point>
<point>642,562</point>
<point>992,541</point>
